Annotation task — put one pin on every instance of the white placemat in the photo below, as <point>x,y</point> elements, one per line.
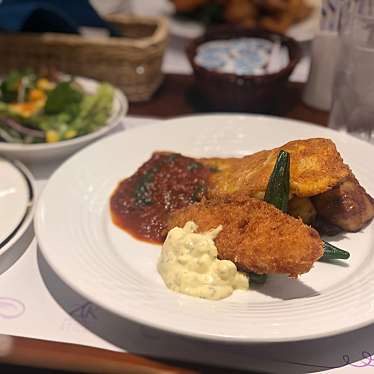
<point>35,303</point>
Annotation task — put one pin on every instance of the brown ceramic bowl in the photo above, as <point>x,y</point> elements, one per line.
<point>243,93</point>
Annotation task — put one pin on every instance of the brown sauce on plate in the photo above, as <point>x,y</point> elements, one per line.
<point>141,204</point>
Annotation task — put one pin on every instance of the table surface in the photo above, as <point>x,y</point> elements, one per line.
<point>177,97</point>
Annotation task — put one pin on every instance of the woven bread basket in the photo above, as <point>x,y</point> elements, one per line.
<point>132,62</point>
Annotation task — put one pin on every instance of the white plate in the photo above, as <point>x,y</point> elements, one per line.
<point>29,153</point>
<point>14,198</point>
<point>114,270</point>
<point>302,31</point>
<point>17,194</point>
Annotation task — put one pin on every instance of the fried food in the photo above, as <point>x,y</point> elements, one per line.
<point>279,15</point>
<point>188,5</point>
<point>279,23</point>
<point>291,6</point>
<point>242,12</point>
<point>316,167</point>
<point>256,236</point>
<point>317,171</point>
<point>302,207</point>
<point>347,205</point>
<point>275,15</point>
<point>323,191</point>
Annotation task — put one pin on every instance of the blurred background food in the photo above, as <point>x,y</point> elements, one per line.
<point>275,15</point>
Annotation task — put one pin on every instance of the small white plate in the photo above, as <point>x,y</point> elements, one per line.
<point>17,194</point>
<point>14,199</point>
<point>116,271</point>
<point>30,153</point>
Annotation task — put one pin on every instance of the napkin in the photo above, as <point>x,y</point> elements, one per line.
<point>67,16</point>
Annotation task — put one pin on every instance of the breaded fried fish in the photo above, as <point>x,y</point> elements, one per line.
<point>256,236</point>
<point>316,166</point>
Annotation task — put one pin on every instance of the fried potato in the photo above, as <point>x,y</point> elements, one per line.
<point>240,11</point>
<point>279,15</point>
<point>302,207</point>
<point>256,236</point>
<point>276,15</point>
<point>277,6</point>
<point>316,167</point>
<point>301,11</point>
<point>188,5</point>
<point>279,23</point>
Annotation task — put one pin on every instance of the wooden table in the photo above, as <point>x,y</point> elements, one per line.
<point>175,97</point>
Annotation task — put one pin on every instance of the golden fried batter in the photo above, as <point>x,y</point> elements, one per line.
<point>256,236</point>
<point>188,5</point>
<point>279,15</point>
<point>240,11</point>
<point>316,167</point>
<point>275,15</point>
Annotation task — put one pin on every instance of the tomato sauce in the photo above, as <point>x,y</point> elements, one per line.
<point>141,204</point>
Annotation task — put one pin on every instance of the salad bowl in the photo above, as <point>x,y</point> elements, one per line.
<point>59,150</point>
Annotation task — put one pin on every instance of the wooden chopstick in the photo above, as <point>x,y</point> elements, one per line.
<point>79,358</point>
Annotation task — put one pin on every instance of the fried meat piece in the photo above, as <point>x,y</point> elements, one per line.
<point>279,22</point>
<point>256,236</point>
<point>188,5</point>
<point>316,167</point>
<point>242,12</point>
<point>347,205</point>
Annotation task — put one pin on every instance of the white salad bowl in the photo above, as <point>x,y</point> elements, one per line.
<point>41,152</point>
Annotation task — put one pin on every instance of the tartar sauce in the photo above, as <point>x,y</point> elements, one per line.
<point>188,264</point>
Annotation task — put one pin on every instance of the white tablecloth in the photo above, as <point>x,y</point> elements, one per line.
<point>35,303</point>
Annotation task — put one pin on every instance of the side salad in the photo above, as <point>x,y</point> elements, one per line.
<point>47,109</point>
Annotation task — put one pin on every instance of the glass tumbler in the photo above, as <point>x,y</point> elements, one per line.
<point>353,90</point>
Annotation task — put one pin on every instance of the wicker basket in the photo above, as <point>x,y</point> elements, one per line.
<point>132,63</point>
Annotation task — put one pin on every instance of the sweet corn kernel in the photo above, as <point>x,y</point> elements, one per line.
<point>45,84</point>
<point>52,136</point>
<point>70,134</point>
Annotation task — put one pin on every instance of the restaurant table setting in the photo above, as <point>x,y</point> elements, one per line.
<point>83,281</point>
<point>36,303</point>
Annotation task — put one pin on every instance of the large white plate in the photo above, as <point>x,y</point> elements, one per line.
<point>302,31</point>
<point>106,265</point>
<point>42,152</point>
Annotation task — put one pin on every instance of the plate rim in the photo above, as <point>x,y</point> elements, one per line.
<point>31,208</point>
<point>178,330</point>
